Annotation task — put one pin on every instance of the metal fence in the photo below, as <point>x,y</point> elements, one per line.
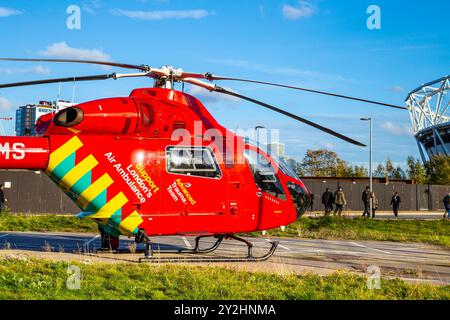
<point>414,197</point>
<point>34,192</point>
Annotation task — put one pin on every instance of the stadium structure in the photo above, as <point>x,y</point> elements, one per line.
<point>429,108</point>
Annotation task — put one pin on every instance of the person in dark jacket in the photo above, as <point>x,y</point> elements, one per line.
<point>2,199</point>
<point>447,205</point>
<point>395,203</point>
<point>366,197</point>
<point>311,205</point>
<point>327,200</point>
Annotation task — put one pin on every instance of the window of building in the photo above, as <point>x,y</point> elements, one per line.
<point>193,161</point>
<point>265,174</point>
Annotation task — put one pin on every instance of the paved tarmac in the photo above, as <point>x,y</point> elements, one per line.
<point>409,261</point>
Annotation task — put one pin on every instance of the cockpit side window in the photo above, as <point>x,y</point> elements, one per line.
<point>265,174</point>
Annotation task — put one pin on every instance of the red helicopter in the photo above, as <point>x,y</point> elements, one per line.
<point>157,163</point>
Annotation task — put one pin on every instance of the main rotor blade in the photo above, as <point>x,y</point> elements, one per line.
<point>71,79</point>
<point>290,115</point>
<point>213,77</point>
<point>104,63</point>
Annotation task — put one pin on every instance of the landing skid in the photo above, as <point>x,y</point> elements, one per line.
<point>150,258</point>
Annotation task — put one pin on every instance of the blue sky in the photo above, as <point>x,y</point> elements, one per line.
<point>321,44</point>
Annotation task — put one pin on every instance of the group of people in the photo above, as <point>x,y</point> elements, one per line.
<point>369,199</point>
<point>338,199</point>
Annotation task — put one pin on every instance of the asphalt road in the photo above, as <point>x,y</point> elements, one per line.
<point>410,261</point>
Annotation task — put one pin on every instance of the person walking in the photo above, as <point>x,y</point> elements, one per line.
<point>366,201</point>
<point>374,200</point>
<point>339,201</point>
<point>311,205</point>
<point>395,203</point>
<point>327,201</point>
<point>447,205</point>
<point>2,199</point>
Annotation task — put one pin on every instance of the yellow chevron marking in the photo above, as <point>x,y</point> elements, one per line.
<point>88,195</point>
<point>77,172</point>
<point>111,207</point>
<point>58,156</point>
<point>130,223</point>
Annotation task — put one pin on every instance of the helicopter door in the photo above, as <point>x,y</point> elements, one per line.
<point>196,187</point>
<point>269,184</point>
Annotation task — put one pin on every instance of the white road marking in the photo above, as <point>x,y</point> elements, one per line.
<point>363,246</point>
<point>4,235</point>
<point>87,243</point>
<point>280,245</point>
<point>186,242</point>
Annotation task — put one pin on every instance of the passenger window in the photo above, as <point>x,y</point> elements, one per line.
<point>193,161</point>
<point>265,175</point>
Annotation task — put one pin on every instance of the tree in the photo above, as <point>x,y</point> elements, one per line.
<point>438,170</point>
<point>380,171</point>
<point>323,163</point>
<point>398,174</point>
<point>359,172</point>
<point>388,170</point>
<point>416,170</point>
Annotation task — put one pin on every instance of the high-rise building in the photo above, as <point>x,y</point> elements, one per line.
<point>277,148</point>
<point>26,116</point>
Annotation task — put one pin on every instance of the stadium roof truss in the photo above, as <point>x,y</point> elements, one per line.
<point>429,109</point>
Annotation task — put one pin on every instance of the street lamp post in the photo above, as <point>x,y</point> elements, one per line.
<point>370,162</point>
<point>257,156</point>
<point>257,143</point>
<point>257,135</point>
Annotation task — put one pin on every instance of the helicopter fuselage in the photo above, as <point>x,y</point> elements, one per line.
<point>158,161</point>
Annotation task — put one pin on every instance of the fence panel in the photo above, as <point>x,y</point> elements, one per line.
<point>33,192</point>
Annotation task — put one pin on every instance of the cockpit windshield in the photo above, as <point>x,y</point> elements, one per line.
<point>302,199</point>
<point>265,174</point>
<point>284,167</point>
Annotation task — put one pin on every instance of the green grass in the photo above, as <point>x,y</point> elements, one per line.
<point>425,231</point>
<point>49,223</point>
<point>38,279</point>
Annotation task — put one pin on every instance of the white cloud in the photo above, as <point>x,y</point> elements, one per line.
<point>91,6</point>
<point>398,89</point>
<point>329,145</point>
<point>206,96</point>
<point>163,15</point>
<point>5,104</point>
<point>397,129</point>
<point>303,10</point>
<point>283,71</point>
<point>36,70</point>
<point>62,50</point>
<point>7,12</point>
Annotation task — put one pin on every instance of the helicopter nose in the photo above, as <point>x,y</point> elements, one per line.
<point>24,153</point>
